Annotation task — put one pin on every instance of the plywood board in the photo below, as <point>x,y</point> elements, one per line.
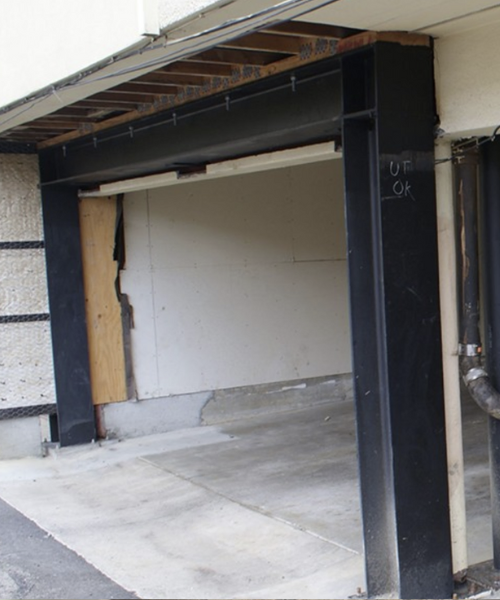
<point>103,311</point>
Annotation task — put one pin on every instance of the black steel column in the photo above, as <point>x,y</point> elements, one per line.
<point>388,145</point>
<point>490,201</point>
<point>67,315</point>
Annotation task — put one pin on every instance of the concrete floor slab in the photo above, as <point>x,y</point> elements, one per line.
<point>300,468</point>
<point>165,534</point>
<point>266,507</point>
<point>477,483</point>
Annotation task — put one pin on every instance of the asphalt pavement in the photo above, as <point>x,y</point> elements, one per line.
<point>34,565</point>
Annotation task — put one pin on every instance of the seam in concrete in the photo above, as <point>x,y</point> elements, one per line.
<point>251,507</point>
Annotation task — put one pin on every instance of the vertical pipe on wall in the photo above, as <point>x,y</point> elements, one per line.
<point>490,205</point>
<point>451,375</point>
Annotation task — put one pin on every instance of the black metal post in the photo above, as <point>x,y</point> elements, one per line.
<point>490,209</point>
<point>67,315</point>
<point>388,145</point>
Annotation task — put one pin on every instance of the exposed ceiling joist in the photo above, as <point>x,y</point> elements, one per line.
<point>284,44</point>
<point>246,59</point>
<point>315,30</point>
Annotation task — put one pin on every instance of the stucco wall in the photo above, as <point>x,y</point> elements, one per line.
<point>238,281</point>
<point>26,369</point>
<point>467,82</point>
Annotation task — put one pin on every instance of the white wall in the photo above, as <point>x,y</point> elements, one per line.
<point>43,41</point>
<point>173,11</point>
<point>238,281</point>
<point>467,81</point>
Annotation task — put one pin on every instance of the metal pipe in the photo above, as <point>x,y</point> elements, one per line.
<point>490,220</point>
<point>474,375</point>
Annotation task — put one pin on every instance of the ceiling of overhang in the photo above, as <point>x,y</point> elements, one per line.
<point>437,18</point>
<point>254,56</point>
<point>248,58</point>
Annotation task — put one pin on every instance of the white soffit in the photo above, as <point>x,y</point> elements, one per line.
<point>433,17</point>
<point>239,166</point>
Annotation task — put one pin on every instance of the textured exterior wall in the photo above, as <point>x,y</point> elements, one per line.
<point>26,370</point>
<point>19,198</point>
<point>467,82</point>
<point>238,281</point>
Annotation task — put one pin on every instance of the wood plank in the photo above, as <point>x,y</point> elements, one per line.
<point>142,87</point>
<point>66,118</point>
<point>237,57</point>
<point>175,79</point>
<point>317,30</point>
<point>239,75</point>
<point>267,42</point>
<point>69,111</point>
<point>103,310</point>
<point>193,67</point>
<point>52,125</point>
<point>24,136</point>
<point>116,94</point>
<point>110,105</point>
<point>371,37</point>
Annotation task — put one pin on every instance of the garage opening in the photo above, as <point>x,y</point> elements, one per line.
<point>284,253</point>
<point>241,324</point>
<point>239,281</point>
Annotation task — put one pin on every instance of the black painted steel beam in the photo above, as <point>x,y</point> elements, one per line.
<point>279,112</point>
<point>388,144</point>
<point>67,315</point>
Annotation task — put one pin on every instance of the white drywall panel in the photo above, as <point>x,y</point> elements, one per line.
<point>138,281</point>
<point>238,281</point>
<point>26,374</point>
<point>224,222</point>
<point>24,284</point>
<point>467,82</point>
<point>219,328</point>
<point>138,252</point>
<point>318,212</point>
<point>20,203</point>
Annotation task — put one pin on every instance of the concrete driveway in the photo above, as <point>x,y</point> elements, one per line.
<point>264,507</point>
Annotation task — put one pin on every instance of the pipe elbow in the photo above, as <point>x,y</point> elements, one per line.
<point>479,385</point>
